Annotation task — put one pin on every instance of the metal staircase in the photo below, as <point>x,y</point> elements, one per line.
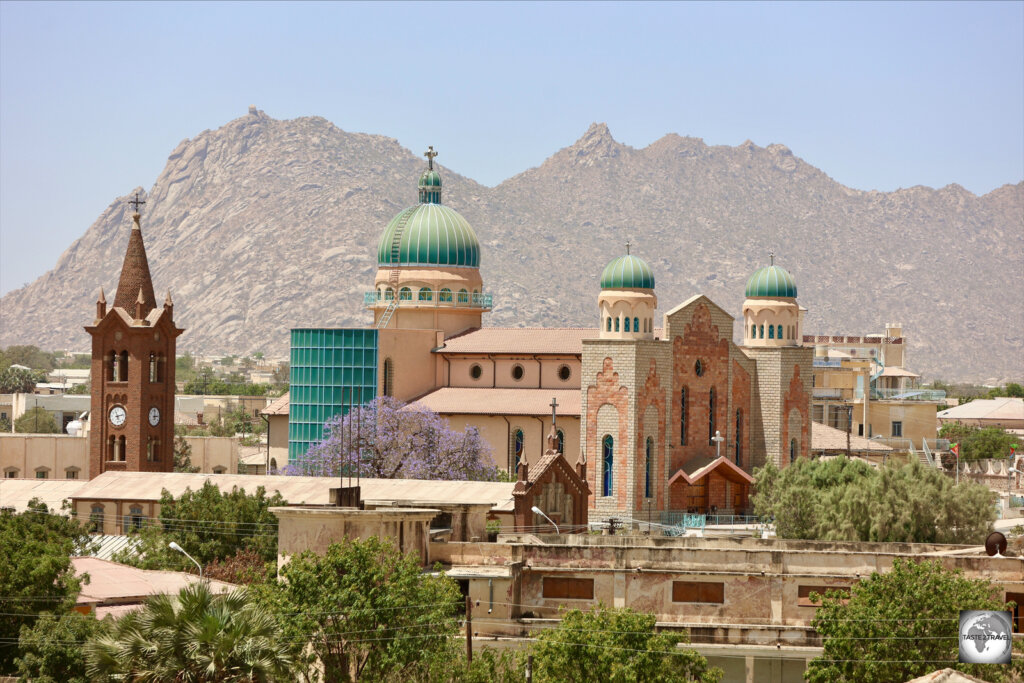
<point>396,253</point>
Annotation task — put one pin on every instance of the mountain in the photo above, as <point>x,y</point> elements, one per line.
<point>263,225</point>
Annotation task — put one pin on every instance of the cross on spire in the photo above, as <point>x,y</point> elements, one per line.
<point>136,203</point>
<point>771,257</point>
<point>430,154</point>
<point>554,405</point>
<point>627,247</point>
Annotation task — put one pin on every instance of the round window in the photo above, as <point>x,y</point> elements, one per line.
<point>517,372</point>
<point>476,371</point>
<point>698,368</point>
<point>564,373</point>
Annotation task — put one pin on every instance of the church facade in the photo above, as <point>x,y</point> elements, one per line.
<point>660,414</point>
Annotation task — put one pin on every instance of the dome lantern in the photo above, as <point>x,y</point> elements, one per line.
<point>627,299</point>
<point>771,315</point>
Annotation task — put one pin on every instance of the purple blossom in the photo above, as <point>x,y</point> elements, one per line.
<point>389,439</point>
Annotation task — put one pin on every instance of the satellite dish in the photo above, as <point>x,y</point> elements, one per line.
<point>995,544</point>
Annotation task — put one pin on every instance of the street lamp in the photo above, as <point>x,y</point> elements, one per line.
<point>718,439</point>
<point>540,512</point>
<point>174,546</point>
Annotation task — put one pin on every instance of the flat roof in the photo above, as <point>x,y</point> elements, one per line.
<point>112,582</point>
<point>487,401</point>
<point>521,340</point>
<point>16,493</point>
<point>1005,408</point>
<point>825,438</point>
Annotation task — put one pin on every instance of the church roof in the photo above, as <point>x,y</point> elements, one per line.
<point>521,340</point>
<point>135,275</point>
<point>488,401</point>
<point>429,235</point>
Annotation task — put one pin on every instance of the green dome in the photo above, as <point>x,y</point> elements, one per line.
<point>772,281</point>
<point>429,235</point>
<point>627,272</point>
<point>430,178</point>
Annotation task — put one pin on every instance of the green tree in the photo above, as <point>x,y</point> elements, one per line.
<point>210,524</point>
<point>194,636</point>
<point>36,421</point>
<point>183,455</point>
<point>29,356</point>
<point>17,381</point>
<point>52,651</point>
<point>977,443</point>
<point>80,389</point>
<point>1013,389</point>
<point>848,500</point>
<point>617,646</point>
<point>36,576</point>
<point>900,625</point>
<point>368,612</point>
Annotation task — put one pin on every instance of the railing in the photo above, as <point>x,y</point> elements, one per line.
<point>826,392</point>
<point>822,363</point>
<point>932,395</point>
<point>431,299</point>
<point>677,523</point>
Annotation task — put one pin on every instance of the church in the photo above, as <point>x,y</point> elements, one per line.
<point>660,415</point>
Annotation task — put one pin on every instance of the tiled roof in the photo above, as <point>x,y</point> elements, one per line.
<point>465,401</point>
<point>111,582</point>
<point>16,493</point>
<point>146,486</point>
<point>135,275</point>
<point>825,438</point>
<point>522,340</point>
<point>987,409</point>
<point>279,406</point>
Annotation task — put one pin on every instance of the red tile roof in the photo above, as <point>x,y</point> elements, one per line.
<point>531,340</point>
<point>457,400</point>
<point>279,406</point>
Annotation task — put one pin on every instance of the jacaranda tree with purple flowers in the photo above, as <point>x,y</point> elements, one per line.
<point>389,439</point>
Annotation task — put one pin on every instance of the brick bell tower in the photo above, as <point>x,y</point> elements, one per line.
<point>132,409</point>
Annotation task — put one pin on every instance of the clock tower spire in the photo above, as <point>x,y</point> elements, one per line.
<point>133,347</point>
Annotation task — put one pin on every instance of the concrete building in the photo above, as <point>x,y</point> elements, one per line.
<point>1004,413</point>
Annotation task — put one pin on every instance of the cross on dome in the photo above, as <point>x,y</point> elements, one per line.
<point>136,203</point>
<point>627,247</point>
<point>430,154</point>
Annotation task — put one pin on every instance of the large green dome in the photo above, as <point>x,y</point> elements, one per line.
<point>429,235</point>
<point>627,272</point>
<point>772,281</point>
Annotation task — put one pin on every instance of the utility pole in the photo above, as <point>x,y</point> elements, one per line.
<point>529,668</point>
<point>469,630</point>
<point>849,428</point>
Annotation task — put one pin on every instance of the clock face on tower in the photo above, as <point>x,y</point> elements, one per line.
<point>117,416</point>
<point>154,416</point>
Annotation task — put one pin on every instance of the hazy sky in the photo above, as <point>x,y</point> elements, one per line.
<point>93,97</point>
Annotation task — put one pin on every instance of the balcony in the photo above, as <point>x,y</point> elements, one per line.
<point>424,298</point>
<point>926,395</point>
<point>827,392</point>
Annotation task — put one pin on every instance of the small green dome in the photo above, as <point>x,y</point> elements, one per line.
<point>772,281</point>
<point>627,272</point>
<point>430,178</point>
<point>429,235</point>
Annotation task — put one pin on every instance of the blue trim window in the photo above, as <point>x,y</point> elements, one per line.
<point>682,416</point>
<point>636,324</point>
<point>625,325</point>
<point>561,441</point>
<point>739,438</point>
<point>762,332</point>
<point>647,467</point>
<point>778,331</point>
<point>771,332</point>
<point>711,417</point>
<point>608,460</point>
<point>792,450</point>
<point>616,324</point>
<point>609,323</point>
<point>517,450</point>
<point>753,331</point>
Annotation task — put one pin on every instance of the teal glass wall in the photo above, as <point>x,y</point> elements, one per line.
<point>331,370</point>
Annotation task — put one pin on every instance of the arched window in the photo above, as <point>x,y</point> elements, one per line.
<point>405,294</point>
<point>96,519</point>
<point>616,324</point>
<point>609,321</point>
<point>463,296</point>
<point>112,448</point>
<point>778,331</point>
<point>625,324</point>
<point>762,332</point>
<point>445,296</point>
<point>388,380</point>
<point>112,367</point>
<point>649,449</point>
<point>426,295</point>
<point>636,324</point>
<point>608,462</point>
<point>753,331</point>
<point>389,294</point>
<point>560,442</point>
<point>122,368</point>
<point>711,416</point>
<point>792,450</point>
<point>682,416</point>
<point>134,519</point>
<point>517,450</point>
<point>149,449</point>
<point>152,367</point>
<point>121,454</point>
<point>739,438</point>
<point>771,332</point>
